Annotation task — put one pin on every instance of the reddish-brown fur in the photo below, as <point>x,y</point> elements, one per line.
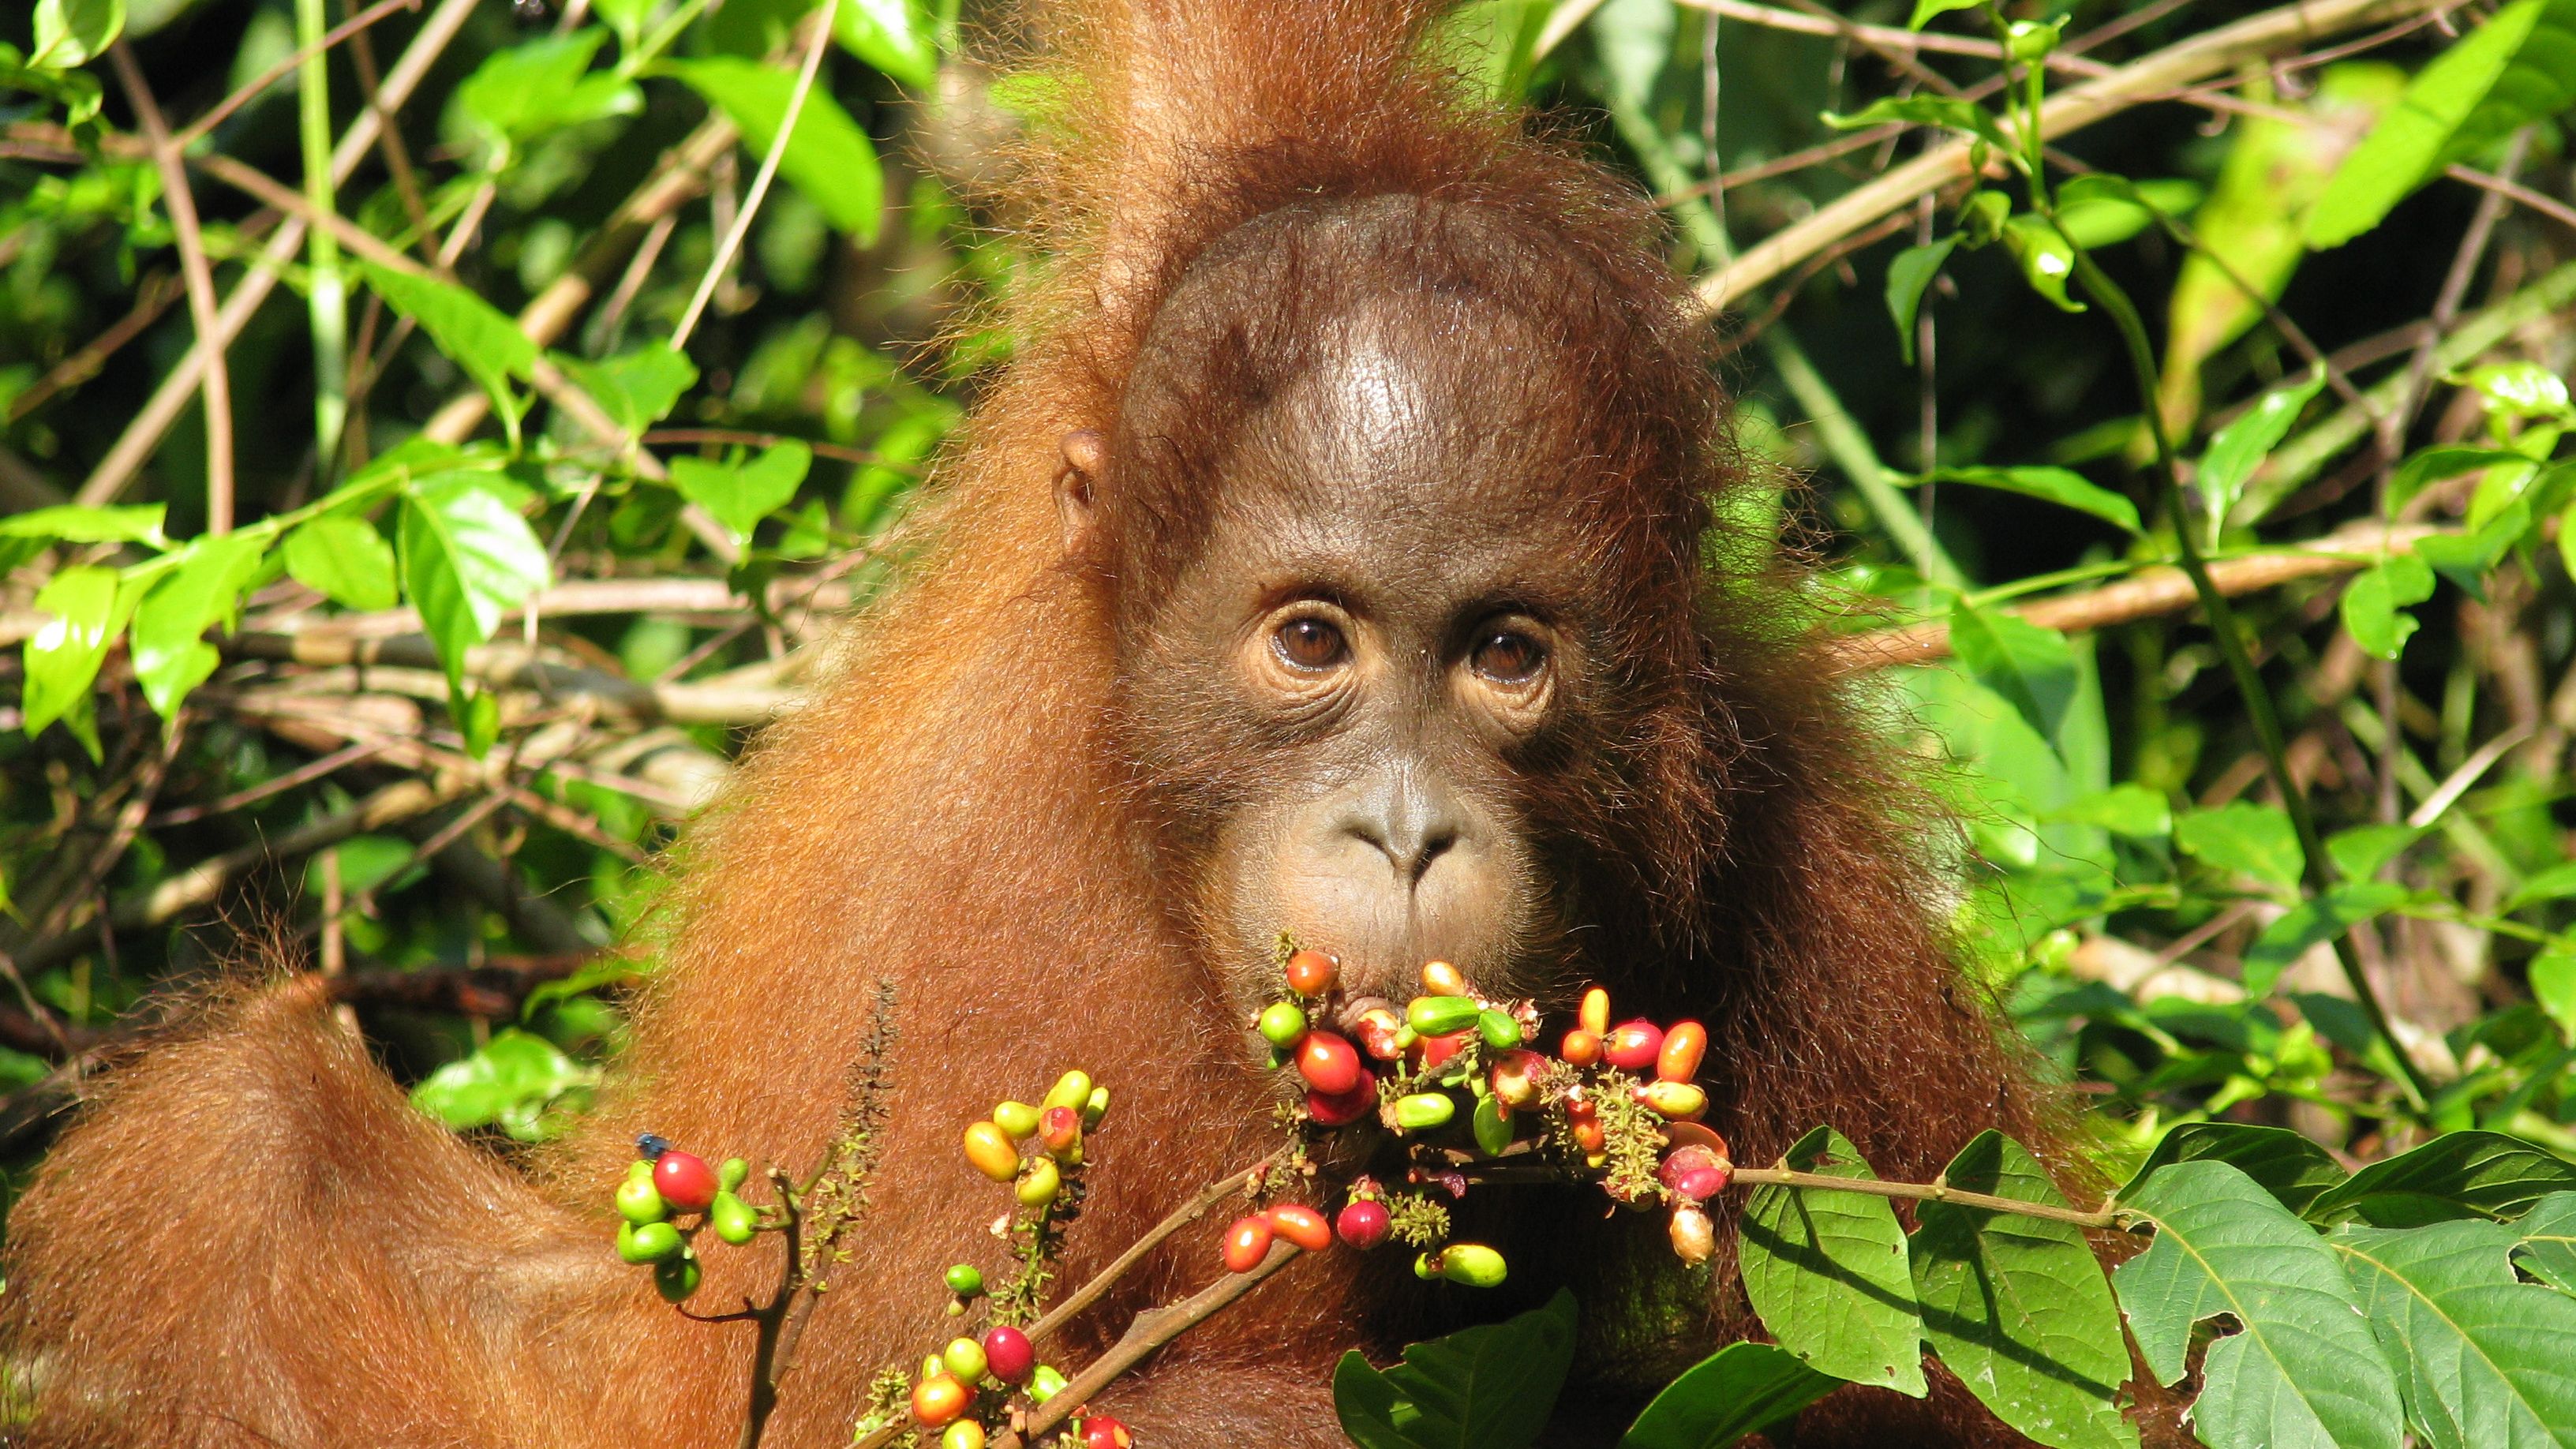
<point>250,1239</point>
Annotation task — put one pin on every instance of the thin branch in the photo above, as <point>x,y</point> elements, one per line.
<point>200,280</point>
<point>1197,1207</point>
<point>816,42</point>
<point>2548,206</point>
<point>2107,1217</point>
<point>152,298</point>
<point>249,92</point>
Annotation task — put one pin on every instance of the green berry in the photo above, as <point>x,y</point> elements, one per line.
<point>1499,1028</point>
<point>1017,1118</point>
<point>676,1278</point>
<point>1038,1186</point>
<point>640,1202</point>
<point>733,1219</point>
<point>1095,1107</point>
<point>647,1242</point>
<point>1472,1264</point>
<point>1047,1382</point>
<point>1441,1015</point>
<point>733,1174</point>
<point>1424,1109</point>
<point>1493,1129</point>
<point>965,1280</point>
<point>964,1358</point>
<point>1282,1024</point>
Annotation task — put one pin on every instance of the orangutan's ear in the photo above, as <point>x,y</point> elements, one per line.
<point>1086,453</point>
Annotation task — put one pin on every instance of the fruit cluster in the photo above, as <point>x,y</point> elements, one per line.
<point>1054,1127</point>
<point>666,1183</point>
<point>1000,1362</point>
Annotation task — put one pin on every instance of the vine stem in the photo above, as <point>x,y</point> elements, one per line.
<point>2318,874</point>
<point>1935,1191</point>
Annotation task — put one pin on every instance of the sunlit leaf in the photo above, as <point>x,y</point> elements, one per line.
<point>2374,604</point>
<point>169,659</point>
<point>76,523</point>
<point>828,158</point>
<point>2314,922</point>
<point>343,559</point>
<point>2131,810</point>
<point>1634,39</point>
<point>1737,1392</point>
<point>1488,1387</point>
<point>2240,447</point>
<point>2031,667</point>
<point>2256,840</point>
<point>1493,43</point>
<point>2047,258</point>
<point>2293,1169</point>
<point>63,654</point>
<point>74,32</point>
<point>741,494</point>
<point>509,1084</point>
<point>467,558</point>
<point>892,35</point>
<point>2060,486</point>
<point>543,85</point>
<point>2545,1241</point>
<point>638,388</point>
<point>1926,10</point>
<point>2455,1175</point>
<point>1944,112</point>
<point>1827,1271</point>
<point>2359,852</point>
<point>470,331</point>
<point>2484,1360</point>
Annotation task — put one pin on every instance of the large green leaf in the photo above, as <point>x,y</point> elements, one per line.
<point>1826,1271</point>
<point>344,559</point>
<point>2018,1307</point>
<point>509,1084</point>
<point>467,558</point>
<point>2060,486</point>
<point>828,157</point>
<point>543,85</point>
<point>1741,1390</point>
<point>2032,668</point>
<point>74,32</point>
<point>2283,1163</point>
<point>2485,1360</point>
<point>2301,1371</point>
<point>892,35</point>
<point>63,654</point>
<point>742,494</point>
<point>2313,922</point>
<point>169,658</point>
<point>2462,97</point>
<point>2456,1175</point>
<point>472,332</point>
<point>2256,840</point>
<point>1488,1387</point>
<point>2548,1240</point>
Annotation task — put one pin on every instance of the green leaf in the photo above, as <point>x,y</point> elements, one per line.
<point>509,1083</point>
<point>207,586</point>
<point>2518,390</point>
<point>2301,1371</point>
<point>2374,605</point>
<point>74,32</point>
<point>2456,1175</point>
<point>2105,210</point>
<point>2129,810</point>
<point>64,653</point>
<point>2313,922</point>
<point>467,558</point>
<point>1826,1271</point>
<point>2053,485</point>
<point>2244,837</point>
<point>2359,852</point>
<point>1493,44</point>
<point>1944,112</point>
<point>2547,1241</point>
<point>1488,1387</point>
<point>2553,985</point>
<point>1913,270</point>
<point>892,35</point>
<point>1739,1391</point>
<point>740,495</point>
<point>344,559</point>
<point>2413,139</point>
<point>637,388</point>
<point>2432,465</point>
<point>543,85</point>
<point>2032,668</point>
<point>74,523</point>
<point>2047,258</point>
<point>2482,1358</point>
<point>2283,1163</point>
<point>1634,39</point>
<point>470,331</point>
<point>828,158</point>
<point>2242,445</point>
<point>2017,1306</point>
<point>1926,10</point>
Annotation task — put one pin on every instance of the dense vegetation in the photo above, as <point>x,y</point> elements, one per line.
<point>614,339</point>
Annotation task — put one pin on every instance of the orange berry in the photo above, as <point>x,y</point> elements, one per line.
<point>1311,973</point>
<point>1301,1225</point>
<point>1581,1048</point>
<point>939,1399</point>
<point>1439,978</point>
<point>1247,1243</point>
<point>1683,1047</point>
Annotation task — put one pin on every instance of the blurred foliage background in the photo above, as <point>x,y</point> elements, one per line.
<point>551,429</point>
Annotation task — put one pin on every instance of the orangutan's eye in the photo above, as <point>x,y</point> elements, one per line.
<point>1310,643</point>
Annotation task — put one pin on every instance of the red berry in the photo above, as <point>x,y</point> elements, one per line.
<point>1330,1064</point>
<point>1436,1050</point>
<point>1377,1030</point>
<point>1008,1354</point>
<point>1340,1109</point>
<point>1060,1128</point>
<point>1633,1045</point>
<point>1363,1224</point>
<point>1103,1432</point>
<point>1301,1225</point>
<point>1247,1243</point>
<point>684,1180</point>
<point>1310,973</point>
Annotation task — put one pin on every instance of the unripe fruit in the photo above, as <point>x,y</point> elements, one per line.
<point>964,1359</point>
<point>1678,1100</point>
<point>1103,1432</point>
<point>1426,1265</point>
<point>1471,1264</point>
<point>965,1280</point>
<point>1437,1050</point>
<point>733,1174</point>
<point>1683,1047</point>
<point>1070,1090</point>
<point>1377,1030</point>
<point>963,1434</point>
<point>1311,973</point>
<point>1330,1064</point>
<point>939,1399</point>
<point>1247,1243</point>
<point>639,1201</point>
<point>1281,1024</point>
<point>684,1180</point>
<point>1018,1119</point>
<point>1440,1015</point>
<point>1498,1028</point>
<point>1694,1236</point>
<point>1439,978</point>
<point>647,1242</point>
<point>1008,1354</point>
<point>1632,1045</point>
<point>1492,1127</point>
<point>1515,1079</point>
<point>1580,1048</point>
<point>1095,1107</point>
<point>1594,1015</point>
<point>1060,1128</point>
<point>1040,1186</point>
<point>1362,1224</point>
<point>989,1149</point>
<point>1340,1109</point>
<point>1301,1225</point>
<point>1045,1382</point>
<point>733,1219</point>
<point>1421,1110</point>
<point>677,1278</point>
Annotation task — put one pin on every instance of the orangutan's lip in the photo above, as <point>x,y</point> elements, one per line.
<point>1348,1018</point>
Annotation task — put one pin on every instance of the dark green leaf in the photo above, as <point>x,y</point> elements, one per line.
<point>2017,1306</point>
<point>1488,1387</point>
<point>1948,113</point>
<point>1739,1391</point>
<point>467,558</point>
<point>2456,1175</point>
<point>2483,1359</point>
<point>1826,1271</point>
<point>2374,605</point>
<point>2291,1168</point>
<point>206,587</point>
<point>2301,1371</point>
<point>1907,276</point>
<point>2546,1241</point>
<point>2053,485</point>
<point>344,559</point>
<point>828,158</point>
<point>2313,922</point>
<point>2241,836</point>
<point>472,332</point>
<point>2032,668</point>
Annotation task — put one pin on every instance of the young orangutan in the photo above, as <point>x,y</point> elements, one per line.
<point>1332,560</point>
